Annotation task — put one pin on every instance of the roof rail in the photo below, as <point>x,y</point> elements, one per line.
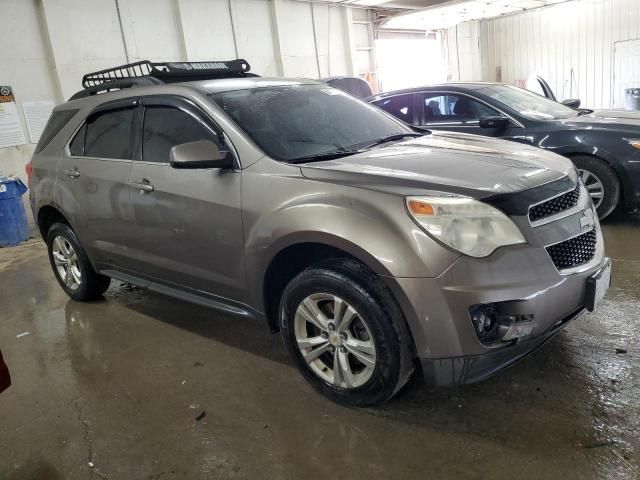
<point>147,73</point>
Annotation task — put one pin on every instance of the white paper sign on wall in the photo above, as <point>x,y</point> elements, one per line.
<point>37,114</point>
<point>11,133</point>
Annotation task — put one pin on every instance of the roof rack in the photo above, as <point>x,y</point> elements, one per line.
<point>152,73</point>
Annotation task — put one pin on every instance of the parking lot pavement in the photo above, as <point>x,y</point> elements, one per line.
<point>140,386</point>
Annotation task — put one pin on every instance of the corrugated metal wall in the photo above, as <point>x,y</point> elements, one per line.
<point>571,43</point>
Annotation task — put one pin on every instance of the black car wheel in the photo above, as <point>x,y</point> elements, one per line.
<point>601,181</point>
<point>71,266</point>
<point>345,333</point>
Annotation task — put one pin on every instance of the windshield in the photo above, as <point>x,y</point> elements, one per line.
<point>527,103</point>
<point>299,122</point>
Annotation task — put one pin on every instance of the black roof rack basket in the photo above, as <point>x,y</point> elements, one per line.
<point>148,73</point>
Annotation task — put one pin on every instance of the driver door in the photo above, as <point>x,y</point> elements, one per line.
<point>187,226</point>
<point>454,112</point>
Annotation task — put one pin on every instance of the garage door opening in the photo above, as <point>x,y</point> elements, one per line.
<point>408,59</point>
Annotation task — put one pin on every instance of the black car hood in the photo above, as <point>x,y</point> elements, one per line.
<point>615,120</point>
<point>453,162</point>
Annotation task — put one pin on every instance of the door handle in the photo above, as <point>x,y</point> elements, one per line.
<point>72,172</point>
<point>144,186</point>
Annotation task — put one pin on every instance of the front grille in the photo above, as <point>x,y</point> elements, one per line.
<point>574,252</point>
<point>555,205</point>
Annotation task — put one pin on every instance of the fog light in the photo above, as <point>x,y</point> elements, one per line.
<point>485,321</point>
<point>497,322</point>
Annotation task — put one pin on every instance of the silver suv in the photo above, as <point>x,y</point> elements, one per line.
<point>372,248</point>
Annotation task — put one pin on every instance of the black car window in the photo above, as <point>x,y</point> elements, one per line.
<point>453,109</point>
<point>76,147</point>
<point>165,127</point>
<point>400,106</point>
<point>109,134</point>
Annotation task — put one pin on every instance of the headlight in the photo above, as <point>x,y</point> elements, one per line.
<point>634,142</point>
<point>469,226</point>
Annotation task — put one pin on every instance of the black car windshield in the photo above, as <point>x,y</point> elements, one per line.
<point>298,122</point>
<point>527,103</point>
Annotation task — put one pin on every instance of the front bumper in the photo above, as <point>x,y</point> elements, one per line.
<point>523,277</point>
<point>446,372</point>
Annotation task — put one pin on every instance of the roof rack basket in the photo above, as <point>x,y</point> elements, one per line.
<point>149,73</point>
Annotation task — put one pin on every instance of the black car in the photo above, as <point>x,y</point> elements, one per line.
<point>604,147</point>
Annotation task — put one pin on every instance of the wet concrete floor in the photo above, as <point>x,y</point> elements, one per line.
<point>119,384</point>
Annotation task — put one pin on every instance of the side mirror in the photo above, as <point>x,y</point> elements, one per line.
<point>572,102</point>
<point>200,154</point>
<point>497,122</point>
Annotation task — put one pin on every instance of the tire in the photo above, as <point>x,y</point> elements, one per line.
<point>595,171</point>
<point>383,361</point>
<point>69,261</point>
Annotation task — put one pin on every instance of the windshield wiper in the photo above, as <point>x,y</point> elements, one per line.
<point>393,138</point>
<point>325,156</point>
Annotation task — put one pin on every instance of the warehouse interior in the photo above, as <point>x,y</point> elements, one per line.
<point>141,382</point>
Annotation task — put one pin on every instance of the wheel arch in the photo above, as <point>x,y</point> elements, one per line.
<point>295,254</point>
<point>48,215</point>
<point>609,160</point>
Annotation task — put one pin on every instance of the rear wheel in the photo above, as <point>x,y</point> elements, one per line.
<point>71,266</point>
<point>601,182</point>
<point>345,333</point>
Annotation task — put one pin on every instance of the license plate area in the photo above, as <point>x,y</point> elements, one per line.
<point>597,285</point>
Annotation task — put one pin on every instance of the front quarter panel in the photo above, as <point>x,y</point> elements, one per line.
<point>282,208</point>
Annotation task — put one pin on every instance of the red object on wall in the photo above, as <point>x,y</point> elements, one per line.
<point>5,379</point>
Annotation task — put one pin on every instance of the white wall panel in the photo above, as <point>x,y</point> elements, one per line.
<point>151,30</point>
<point>85,36</point>
<point>571,44</point>
<point>202,42</point>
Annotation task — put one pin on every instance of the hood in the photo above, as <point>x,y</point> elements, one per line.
<point>451,162</point>
<point>617,120</point>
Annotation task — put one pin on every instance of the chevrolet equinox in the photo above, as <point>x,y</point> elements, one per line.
<point>373,249</point>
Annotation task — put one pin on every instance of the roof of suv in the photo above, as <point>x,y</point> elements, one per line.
<point>230,84</point>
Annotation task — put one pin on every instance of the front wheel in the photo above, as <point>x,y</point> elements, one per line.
<point>71,266</point>
<point>345,333</point>
<point>601,182</point>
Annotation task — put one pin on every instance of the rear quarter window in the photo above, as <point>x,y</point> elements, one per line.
<point>56,122</point>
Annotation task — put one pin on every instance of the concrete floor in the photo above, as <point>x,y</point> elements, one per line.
<point>118,384</point>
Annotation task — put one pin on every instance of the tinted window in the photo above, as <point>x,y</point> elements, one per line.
<point>109,134</point>
<point>54,125</point>
<point>527,103</point>
<point>449,108</point>
<point>76,147</point>
<point>400,106</point>
<point>165,127</point>
<point>293,123</point>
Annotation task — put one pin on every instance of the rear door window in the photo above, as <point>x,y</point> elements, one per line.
<point>76,147</point>
<point>165,127</point>
<point>400,106</point>
<point>108,134</point>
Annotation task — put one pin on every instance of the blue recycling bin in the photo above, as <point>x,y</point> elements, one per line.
<point>14,227</point>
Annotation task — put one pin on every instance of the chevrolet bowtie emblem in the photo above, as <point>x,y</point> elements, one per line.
<point>587,220</point>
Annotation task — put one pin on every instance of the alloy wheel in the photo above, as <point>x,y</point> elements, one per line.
<point>594,186</point>
<point>66,262</point>
<point>334,340</point>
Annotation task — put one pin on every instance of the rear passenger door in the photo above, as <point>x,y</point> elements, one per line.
<point>187,224</point>
<point>92,182</point>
